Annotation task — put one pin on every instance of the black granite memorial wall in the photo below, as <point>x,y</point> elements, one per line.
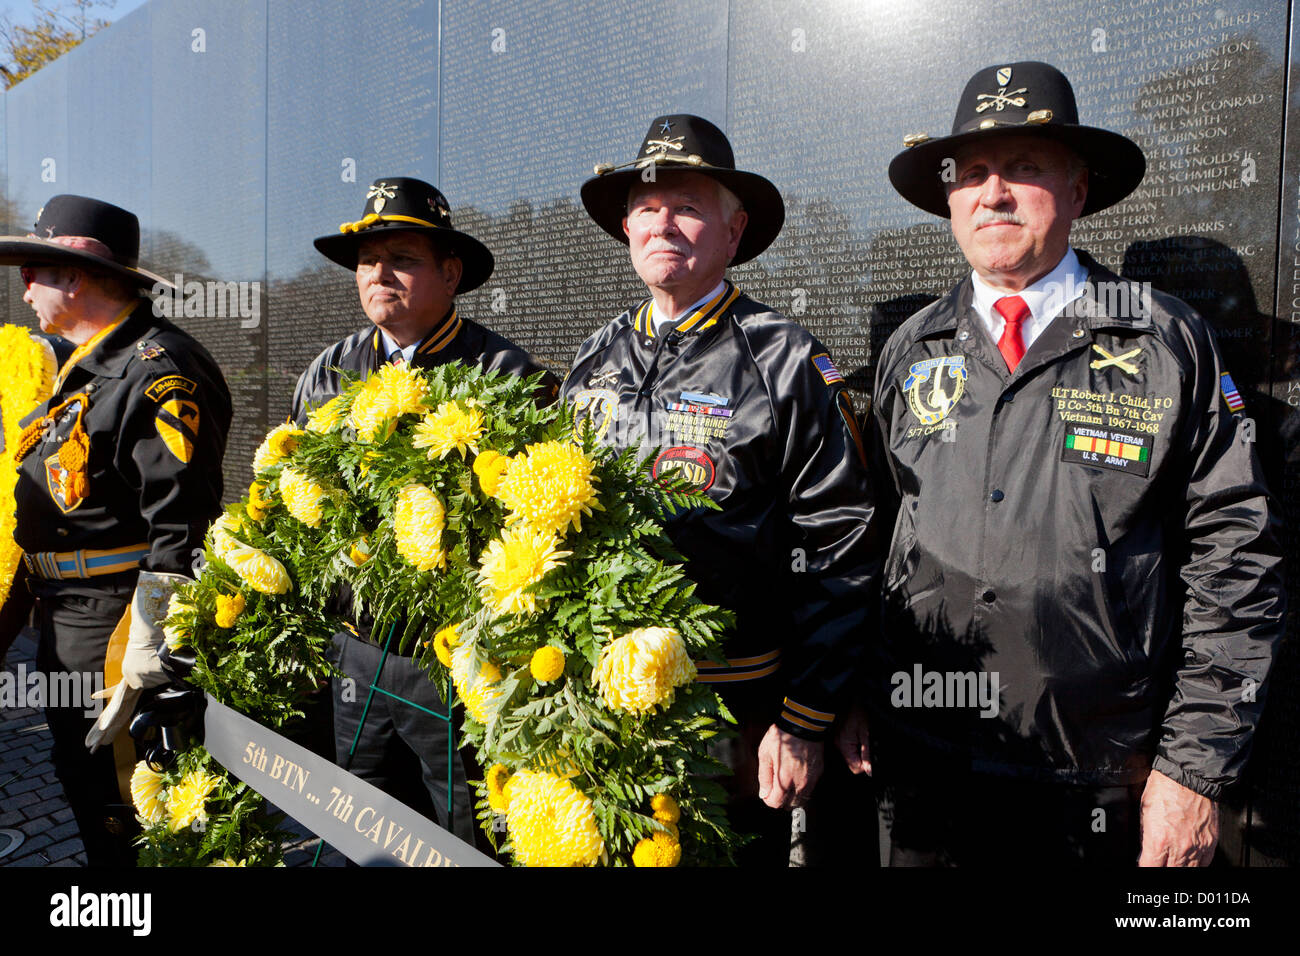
<point>239,131</point>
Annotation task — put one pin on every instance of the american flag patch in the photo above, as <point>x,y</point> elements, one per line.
<point>826,369</point>
<point>1230,393</point>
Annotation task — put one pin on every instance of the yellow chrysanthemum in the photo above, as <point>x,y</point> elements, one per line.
<point>418,522</point>
<point>665,808</point>
<point>26,379</point>
<point>393,391</point>
<point>550,487</point>
<point>519,558</point>
<point>496,782</point>
<point>187,801</point>
<point>642,669</point>
<point>258,502</point>
<point>547,664</point>
<point>491,467</point>
<point>443,642</point>
<point>359,553</point>
<point>303,498</point>
<point>223,530</point>
<point>258,569</point>
<point>657,850</point>
<point>227,861</point>
<point>279,442</point>
<point>176,634</point>
<point>451,428</point>
<point>327,416</point>
<point>146,793</point>
<point>551,822</point>
<point>229,607</point>
<point>479,691</point>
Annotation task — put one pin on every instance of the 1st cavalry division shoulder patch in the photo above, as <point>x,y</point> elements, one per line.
<point>178,426</point>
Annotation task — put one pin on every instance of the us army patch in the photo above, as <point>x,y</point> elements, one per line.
<point>177,422</point>
<point>1108,448</point>
<point>167,383</point>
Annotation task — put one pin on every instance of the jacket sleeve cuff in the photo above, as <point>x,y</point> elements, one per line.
<point>804,721</point>
<point>1187,779</point>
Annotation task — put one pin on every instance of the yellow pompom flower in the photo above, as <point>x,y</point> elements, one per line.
<point>323,419</point>
<point>519,558</point>
<point>147,794</point>
<point>393,391</point>
<point>187,801</point>
<point>551,822</point>
<point>227,861</point>
<point>229,607</point>
<point>550,487</point>
<point>443,642</point>
<point>451,428</point>
<point>176,634</point>
<point>657,850</point>
<point>359,554</point>
<point>642,669</point>
<point>479,691</point>
<point>302,497</point>
<point>279,442</point>
<point>418,522</point>
<point>490,466</point>
<point>258,503</point>
<point>496,782</point>
<point>547,664</point>
<point>258,569</point>
<point>665,808</point>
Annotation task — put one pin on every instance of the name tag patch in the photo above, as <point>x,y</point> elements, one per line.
<point>1108,448</point>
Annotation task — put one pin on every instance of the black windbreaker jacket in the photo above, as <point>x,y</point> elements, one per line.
<point>1093,530</point>
<point>749,407</point>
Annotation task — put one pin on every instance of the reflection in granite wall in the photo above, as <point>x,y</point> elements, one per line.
<point>240,131</point>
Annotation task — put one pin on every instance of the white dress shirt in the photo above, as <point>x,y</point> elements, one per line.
<point>659,318</point>
<point>1046,298</point>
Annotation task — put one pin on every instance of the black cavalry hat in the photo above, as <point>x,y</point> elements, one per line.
<point>411,205</point>
<point>79,231</point>
<point>1026,98</point>
<point>692,144</point>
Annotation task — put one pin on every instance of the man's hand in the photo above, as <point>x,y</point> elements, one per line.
<point>788,768</point>
<point>853,743</point>
<point>1179,826</point>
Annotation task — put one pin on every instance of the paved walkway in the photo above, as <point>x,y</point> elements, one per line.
<point>31,799</point>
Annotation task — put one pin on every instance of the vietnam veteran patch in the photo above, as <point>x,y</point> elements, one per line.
<point>1108,448</point>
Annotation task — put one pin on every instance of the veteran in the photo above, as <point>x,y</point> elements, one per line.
<point>1082,595</point>
<point>119,474</point>
<point>410,263</point>
<point>750,409</point>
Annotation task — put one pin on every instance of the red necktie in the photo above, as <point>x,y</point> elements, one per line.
<point>1013,309</point>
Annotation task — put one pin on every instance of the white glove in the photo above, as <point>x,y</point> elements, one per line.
<point>141,667</point>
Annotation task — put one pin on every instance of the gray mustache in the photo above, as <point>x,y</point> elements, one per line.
<point>997,215</point>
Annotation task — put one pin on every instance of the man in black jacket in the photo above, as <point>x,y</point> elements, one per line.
<point>119,474</point>
<point>749,408</point>
<point>410,263</point>
<point>1082,597</point>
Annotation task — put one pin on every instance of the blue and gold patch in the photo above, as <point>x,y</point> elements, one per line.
<point>927,386</point>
